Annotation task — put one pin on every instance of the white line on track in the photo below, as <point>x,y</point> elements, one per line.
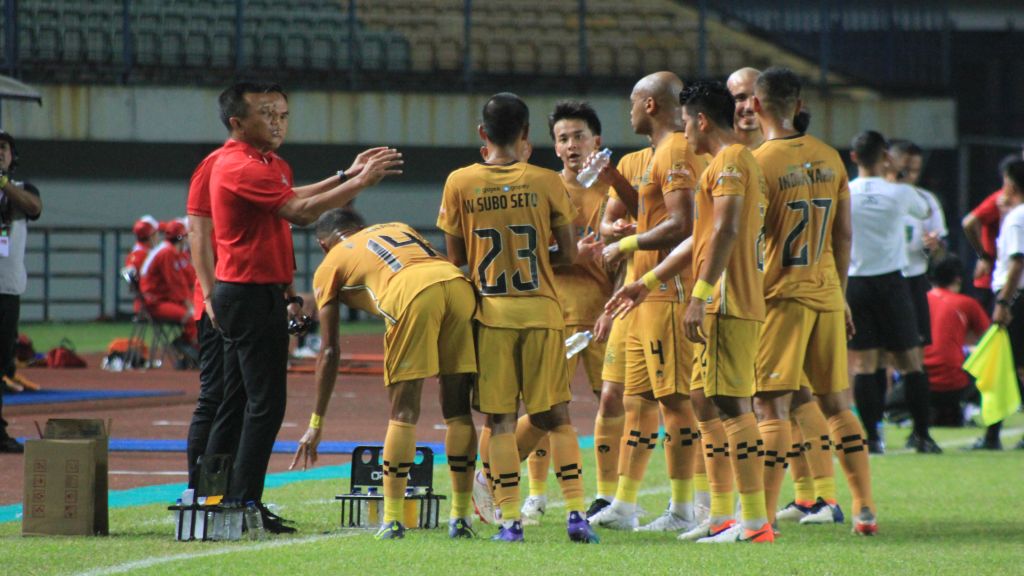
<point>144,473</point>
<point>235,549</point>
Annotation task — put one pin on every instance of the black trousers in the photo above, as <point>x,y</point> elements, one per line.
<point>254,324</point>
<point>10,308</point>
<point>211,395</point>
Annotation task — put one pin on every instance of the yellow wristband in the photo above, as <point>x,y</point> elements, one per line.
<point>3,181</point>
<point>651,280</point>
<point>629,244</point>
<point>702,290</point>
<point>314,421</point>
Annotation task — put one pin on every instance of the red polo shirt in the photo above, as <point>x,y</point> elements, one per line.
<point>953,316</point>
<point>199,205</point>
<point>253,244</point>
<point>991,217</point>
<point>166,276</point>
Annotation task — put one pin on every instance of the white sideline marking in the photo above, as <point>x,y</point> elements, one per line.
<point>154,473</point>
<point>170,423</point>
<point>247,549</point>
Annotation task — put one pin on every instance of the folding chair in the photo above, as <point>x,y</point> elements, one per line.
<point>161,334</point>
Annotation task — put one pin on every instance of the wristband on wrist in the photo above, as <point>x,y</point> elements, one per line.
<point>650,280</point>
<point>314,421</point>
<point>342,176</point>
<point>295,300</point>
<point>4,180</point>
<point>629,244</point>
<point>702,290</point>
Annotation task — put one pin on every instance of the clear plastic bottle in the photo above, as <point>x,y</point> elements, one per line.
<point>577,342</point>
<point>253,521</point>
<point>373,509</point>
<point>588,175</point>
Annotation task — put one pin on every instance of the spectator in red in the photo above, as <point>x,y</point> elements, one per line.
<point>981,227</point>
<point>956,320</point>
<point>166,282</point>
<point>145,238</point>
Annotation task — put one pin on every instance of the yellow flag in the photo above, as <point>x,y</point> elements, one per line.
<point>991,364</point>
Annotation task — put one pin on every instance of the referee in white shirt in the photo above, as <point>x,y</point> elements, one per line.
<point>879,296</point>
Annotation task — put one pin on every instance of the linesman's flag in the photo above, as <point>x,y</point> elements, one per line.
<point>991,364</point>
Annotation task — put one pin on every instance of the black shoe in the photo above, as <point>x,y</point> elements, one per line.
<point>876,446</point>
<point>268,514</point>
<point>11,446</point>
<point>926,445</point>
<point>912,441</point>
<point>273,524</point>
<point>1019,445</point>
<point>596,506</point>
<point>984,444</point>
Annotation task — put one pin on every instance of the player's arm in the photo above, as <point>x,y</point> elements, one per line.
<point>631,295</point>
<point>25,200</point>
<point>613,222</point>
<point>918,206</point>
<point>456,249</point>
<point>611,176</point>
<point>726,215</point>
<point>336,180</point>
<point>565,255</point>
<point>200,242</point>
<point>842,240</point>
<point>305,211</point>
<point>1004,298</point>
<point>326,375</point>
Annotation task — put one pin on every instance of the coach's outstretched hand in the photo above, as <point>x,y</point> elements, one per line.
<point>360,162</point>
<point>307,449</point>
<point>385,162</point>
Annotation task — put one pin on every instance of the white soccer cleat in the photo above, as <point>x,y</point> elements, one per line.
<point>702,530</point>
<point>668,522</point>
<point>824,513</point>
<point>792,512</point>
<point>533,510</point>
<point>614,519</point>
<point>725,534</point>
<point>483,500</point>
<point>701,514</point>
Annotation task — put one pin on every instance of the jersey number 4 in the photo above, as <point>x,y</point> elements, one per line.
<point>388,256</point>
<point>494,281</point>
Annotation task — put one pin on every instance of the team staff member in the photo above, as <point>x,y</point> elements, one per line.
<point>165,281</point>
<point>981,227</point>
<point>252,203</point>
<point>145,240</point>
<point>390,271</point>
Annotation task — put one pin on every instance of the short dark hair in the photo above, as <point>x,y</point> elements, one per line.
<point>574,110</point>
<point>712,99</point>
<point>232,100</point>
<point>6,137</point>
<point>905,147</point>
<point>338,220</point>
<point>1006,161</point>
<point>1015,172</point>
<point>947,271</point>
<point>780,88</point>
<point>802,120</point>
<point>505,116</point>
<point>869,146</point>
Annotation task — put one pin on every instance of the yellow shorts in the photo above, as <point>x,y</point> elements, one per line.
<point>724,364</point>
<point>592,357</point>
<point>434,335</point>
<point>658,355</point>
<point>799,344</point>
<point>528,363</point>
<point>614,368</point>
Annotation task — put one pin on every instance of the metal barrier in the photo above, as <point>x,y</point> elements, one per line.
<point>74,272</point>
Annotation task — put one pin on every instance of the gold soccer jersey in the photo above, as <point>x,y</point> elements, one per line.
<point>632,167</point>
<point>739,292</point>
<point>583,289</point>
<point>806,181</point>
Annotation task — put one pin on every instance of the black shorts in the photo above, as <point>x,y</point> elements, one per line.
<point>919,287</point>
<point>1016,330</point>
<point>883,313</point>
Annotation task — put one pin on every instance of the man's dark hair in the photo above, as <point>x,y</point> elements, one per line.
<point>905,147</point>
<point>779,89</point>
<point>1015,172</point>
<point>869,146</point>
<point>712,99</point>
<point>1006,161</point>
<point>338,220</point>
<point>505,117</point>
<point>802,120</point>
<point>232,100</point>
<point>574,110</point>
<point>6,137</point>
<point>947,271</point>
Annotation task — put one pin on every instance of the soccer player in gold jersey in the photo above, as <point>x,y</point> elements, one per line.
<point>497,217</point>
<point>582,288</point>
<point>391,271</point>
<point>725,311</point>
<point>658,358</point>
<point>741,85</point>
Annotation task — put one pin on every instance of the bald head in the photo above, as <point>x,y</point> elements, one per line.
<point>741,85</point>
<point>655,99</point>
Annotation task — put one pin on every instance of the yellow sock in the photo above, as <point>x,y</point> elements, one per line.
<point>565,453</point>
<point>719,468</point>
<point>681,441</point>
<point>399,453</point>
<point>460,447</point>
<point>752,506</point>
<point>537,467</point>
<point>777,442</point>
<point>700,483</point>
<point>803,484</point>
<point>505,470</point>
<point>814,428</point>
<point>462,505</point>
<point>747,450</point>
<point>851,447</point>
<point>628,490</point>
<point>825,488</point>
<point>682,490</point>
<point>607,436</point>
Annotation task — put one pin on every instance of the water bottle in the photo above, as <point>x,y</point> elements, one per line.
<point>577,342</point>
<point>588,175</point>
<point>253,521</point>
<point>373,509</point>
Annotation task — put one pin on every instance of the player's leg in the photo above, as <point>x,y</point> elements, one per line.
<point>714,450</point>
<point>399,453</point>
<point>864,348</point>
<point>681,441</point>
<point>803,482</point>
<point>609,425</point>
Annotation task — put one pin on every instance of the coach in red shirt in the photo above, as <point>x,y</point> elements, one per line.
<point>252,201</point>
<point>981,227</point>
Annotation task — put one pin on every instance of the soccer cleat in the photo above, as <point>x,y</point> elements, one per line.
<point>614,519</point>
<point>763,535</point>
<point>703,530</point>
<point>725,533</point>
<point>9,445</point>
<point>824,513</point>
<point>596,506</point>
<point>668,522</point>
<point>391,531</point>
<point>983,443</point>
<point>864,524</point>
<point>533,510</point>
<point>876,446</point>
<point>912,441</point>
<point>701,513</point>
<point>792,512</point>
<point>483,500</point>
<point>580,530</point>
<point>511,533</point>
<point>1019,445</point>
<point>926,445</point>
<point>460,528</point>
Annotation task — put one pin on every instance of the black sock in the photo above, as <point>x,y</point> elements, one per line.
<point>917,401</point>
<point>865,395</point>
<point>992,433</point>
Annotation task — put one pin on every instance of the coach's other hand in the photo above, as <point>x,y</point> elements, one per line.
<point>307,449</point>
<point>693,321</point>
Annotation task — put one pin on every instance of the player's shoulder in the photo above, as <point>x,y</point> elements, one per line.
<point>1015,216</point>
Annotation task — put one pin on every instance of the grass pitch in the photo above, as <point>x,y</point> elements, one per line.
<point>958,513</point>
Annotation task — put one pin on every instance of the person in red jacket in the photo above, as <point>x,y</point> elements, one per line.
<point>166,282</point>
<point>145,238</point>
<point>956,320</point>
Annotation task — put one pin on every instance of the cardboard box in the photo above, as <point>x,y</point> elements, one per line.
<point>61,445</point>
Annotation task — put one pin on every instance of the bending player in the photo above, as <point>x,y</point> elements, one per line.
<point>391,271</point>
